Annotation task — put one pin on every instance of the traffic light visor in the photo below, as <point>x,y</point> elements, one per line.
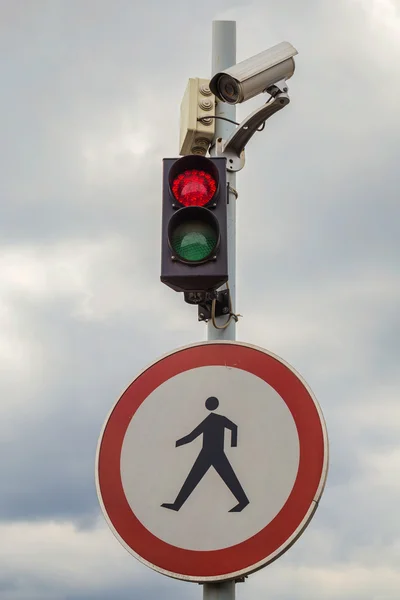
<point>193,235</point>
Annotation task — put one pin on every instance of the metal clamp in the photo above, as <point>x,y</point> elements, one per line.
<point>221,307</point>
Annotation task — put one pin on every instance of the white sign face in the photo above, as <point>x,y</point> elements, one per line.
<point>265,460</point>
<point>212,462</point>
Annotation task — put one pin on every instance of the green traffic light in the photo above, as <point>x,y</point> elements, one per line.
<point>194,241</point>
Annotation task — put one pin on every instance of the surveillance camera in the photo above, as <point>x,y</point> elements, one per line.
<point>254,75</point>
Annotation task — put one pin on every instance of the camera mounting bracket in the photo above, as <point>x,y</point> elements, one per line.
<point>233,147</point>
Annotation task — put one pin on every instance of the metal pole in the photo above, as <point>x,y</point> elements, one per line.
<point>224,56</point>
<point>225,590</point>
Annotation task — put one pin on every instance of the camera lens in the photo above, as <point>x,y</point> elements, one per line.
<point>229,89</point>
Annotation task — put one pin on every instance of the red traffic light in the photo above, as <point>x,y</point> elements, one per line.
<point>194,181</point>
<point>194,187</point>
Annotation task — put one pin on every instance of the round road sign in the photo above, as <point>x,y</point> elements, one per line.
<point>212,462</point>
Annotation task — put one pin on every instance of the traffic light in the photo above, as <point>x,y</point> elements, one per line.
<point>194,255</point>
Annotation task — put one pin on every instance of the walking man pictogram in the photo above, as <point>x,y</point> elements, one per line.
<point>211,455</point>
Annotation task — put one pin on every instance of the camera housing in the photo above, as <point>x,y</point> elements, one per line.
<point>254,75</point>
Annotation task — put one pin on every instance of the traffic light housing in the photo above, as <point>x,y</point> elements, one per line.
<point>194,254</point>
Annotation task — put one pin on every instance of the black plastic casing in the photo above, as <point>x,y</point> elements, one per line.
<point>205,276</point>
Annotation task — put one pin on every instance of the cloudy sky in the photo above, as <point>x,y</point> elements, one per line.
<point>90,105</point>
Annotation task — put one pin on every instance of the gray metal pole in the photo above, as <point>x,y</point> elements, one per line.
<point>223,56</point>
<point>225,590</point>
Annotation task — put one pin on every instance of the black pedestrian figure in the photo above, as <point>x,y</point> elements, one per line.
<point>211,455</point>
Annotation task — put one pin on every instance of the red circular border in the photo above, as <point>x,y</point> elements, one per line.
<point>213,563</point>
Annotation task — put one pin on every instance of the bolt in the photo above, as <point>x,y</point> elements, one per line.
<point>225,310</point>
<point>173,257</point>
<point>201,316</point>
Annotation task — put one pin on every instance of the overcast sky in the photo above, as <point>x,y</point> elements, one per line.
<point>89,105</point>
